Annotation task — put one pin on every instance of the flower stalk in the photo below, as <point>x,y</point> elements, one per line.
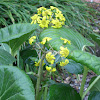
<point>39,76</point>
<point>83,80</point>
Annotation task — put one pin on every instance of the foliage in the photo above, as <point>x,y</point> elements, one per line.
<point>47,49</point>
<point>15,84</point>
<point>15,11</point>
<point>15,35</point>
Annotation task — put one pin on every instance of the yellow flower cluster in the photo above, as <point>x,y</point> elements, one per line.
<point>63,63</point>
<point>46,17</point>
<point>64,51</point>
<point>44,40</point>
<point>32,39</point>
<point>50,69</point>
<point>38,63</point>
<point>50,57</point>
<point>65,40</point>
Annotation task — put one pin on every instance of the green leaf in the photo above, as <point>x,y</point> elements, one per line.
<point>5,57</point>
<point>15,35</point>
<point>87,59</point>
<point>96,38</point>
<point>77,40</point>
<point>94,96</point>
<point>15,84</point>
<point>5,47</point>
<point>27,53</point>
<point>33,79</point>
<point>96,86</point>
<point>74,68</point>
<point>77,44</point>
<point>62,92</point>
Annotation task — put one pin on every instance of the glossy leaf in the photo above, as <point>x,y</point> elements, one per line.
<point>5,47</point>
<point>15,84</point>
<point>76,39</point>
<point>94,96</point>
<point>15,35</point>
<point>74,68</point>
<point>5,57</point>
<point>33,79</point>
<point>62,92</point>
<point>77,44</point>
<point>96,86</point>
<point>27,53</point>
<point>87,59</point>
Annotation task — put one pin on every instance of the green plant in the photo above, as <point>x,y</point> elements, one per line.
<point>47,89</point>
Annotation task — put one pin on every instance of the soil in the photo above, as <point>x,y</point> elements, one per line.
<point>75,81</point>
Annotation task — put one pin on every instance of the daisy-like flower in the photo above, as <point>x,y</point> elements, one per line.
<point>47,12</point>
<point>60,16</point>
<point>52,7</point>
<point>58,11</point>
<point>64,63</point>
<point>53,70</point>
<point>44,22</point>
<point>38,63</point>
<point>44,40</point>
<point>50,57</point>
<point>65,40</point>
<point>35,19</point>
<point>40,10</point>
<point>32,39</point>
<point>57,23</point>
<point>64,52</point>
<point>50,69</point>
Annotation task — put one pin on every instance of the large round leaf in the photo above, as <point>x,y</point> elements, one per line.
<point>87,59</point>
<point>94,96</point>
<point>15,84</point>
<point>5,57</point>
<point>76,39</point>
<point>96,86</point>
<point>95,90</point>
<point>77,44</point>
<point>15,35</point>
<point>62,92</point>
<point>5,47</point>
<point>74,68</point>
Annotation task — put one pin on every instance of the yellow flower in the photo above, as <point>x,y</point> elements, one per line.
<point>53,70</point>
<point>65,40</point>
<point>47,12</point>
<point>44,23</point>
<point>52,7</point>
<point>32,39</point>
<point>64,63</point>
<point>64,52</point>
<point>57,23</point>
<point>35,19</point>
<point>60,16</point>
<point>58,11</point>
<point>50,69</point>
<point>40,10</point>
<point>50,58</point>
<point>44,40</point>
<point>38,63</point>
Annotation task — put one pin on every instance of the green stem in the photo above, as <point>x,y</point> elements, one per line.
<point>91,85</point>
<point>39,77</point>
<point>18,58</point>
<point>45,93</point>
<point>83,80</point>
